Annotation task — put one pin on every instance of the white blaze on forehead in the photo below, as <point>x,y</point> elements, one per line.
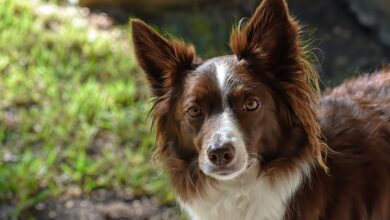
<point>222,71</point>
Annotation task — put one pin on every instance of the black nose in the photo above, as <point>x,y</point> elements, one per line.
<point>221,155</point>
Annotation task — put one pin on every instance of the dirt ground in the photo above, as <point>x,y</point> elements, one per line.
<point>104,205</point>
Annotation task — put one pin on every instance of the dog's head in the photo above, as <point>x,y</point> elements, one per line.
<point>224,114</point>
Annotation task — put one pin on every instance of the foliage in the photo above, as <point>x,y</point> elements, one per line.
<point>73,108</point>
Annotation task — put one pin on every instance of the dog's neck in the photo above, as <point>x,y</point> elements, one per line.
<point>253,195</point>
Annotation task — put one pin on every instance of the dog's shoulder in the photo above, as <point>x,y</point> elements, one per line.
<point>355,123</point>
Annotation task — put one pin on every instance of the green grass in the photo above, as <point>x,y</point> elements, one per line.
<point>73,107</point>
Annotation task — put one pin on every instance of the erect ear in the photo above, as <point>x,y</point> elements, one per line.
<point>162,60</point>
<point>268,37</point>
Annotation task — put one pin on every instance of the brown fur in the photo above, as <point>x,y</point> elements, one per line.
<point>166,61</point>
<point>355,120</point>
<point>350,179</point>
<point>271,33</point>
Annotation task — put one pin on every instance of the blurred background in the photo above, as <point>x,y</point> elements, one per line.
<point>75,141</point>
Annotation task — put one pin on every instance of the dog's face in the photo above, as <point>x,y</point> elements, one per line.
<point>227,113</point>
<point>226,116</point>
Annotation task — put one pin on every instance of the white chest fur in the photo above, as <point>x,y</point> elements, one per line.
<point>248,197</point>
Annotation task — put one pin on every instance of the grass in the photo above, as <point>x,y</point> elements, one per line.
<point>73,107</point>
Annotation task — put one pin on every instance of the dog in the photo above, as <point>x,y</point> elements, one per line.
<point>247,136</point>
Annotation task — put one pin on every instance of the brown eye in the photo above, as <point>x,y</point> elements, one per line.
<point>251,105</point>
<point>194,111</point>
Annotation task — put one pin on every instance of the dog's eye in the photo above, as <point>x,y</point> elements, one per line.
<point>194,111</point>
<point>251,105</point>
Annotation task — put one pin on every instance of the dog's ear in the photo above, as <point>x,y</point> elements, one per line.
<point>269,42</point>
<point>268,36</point>
<point>162,60</point>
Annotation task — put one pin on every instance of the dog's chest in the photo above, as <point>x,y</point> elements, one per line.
<point>246,199</point>
<point>242,204</point>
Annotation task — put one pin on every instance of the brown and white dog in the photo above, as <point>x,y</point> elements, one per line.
<point>246,136</point>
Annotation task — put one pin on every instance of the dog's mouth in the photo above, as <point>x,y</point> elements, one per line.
<point>222,171</point>
<point>227,172</point>
<point>223,154</point>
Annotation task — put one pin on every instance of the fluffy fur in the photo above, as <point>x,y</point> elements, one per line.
<point>246,136</point>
